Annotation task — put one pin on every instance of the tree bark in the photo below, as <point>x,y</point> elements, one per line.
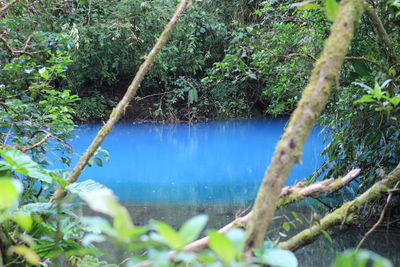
<point>4,8</point>
<point>289,194</point>
<point>119,109</point>
<point>391,57</point>
<point>314,98</point>
<point>382,34</point>
<point>343,214</point>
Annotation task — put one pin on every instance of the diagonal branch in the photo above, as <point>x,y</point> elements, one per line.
<point>6,6</point>
<point>289,194</point>
<point>37,144</point>
<point>119,109</point>
<point>343,214</point>
<point>380,217</point>
<point>15,52</point>
<point>314,98</point>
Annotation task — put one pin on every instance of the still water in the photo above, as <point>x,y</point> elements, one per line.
<point>212,162</point>
<point>172,172</point>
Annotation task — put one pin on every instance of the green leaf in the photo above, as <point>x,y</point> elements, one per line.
<point>222,246</point>
<point>21,163</point>
<point>98,225</point>
<point>44,73</point>
<point>10,189</point>
<point>377,92</point>
<point>60,181</point>
<point>99,162</point>
<point>279,258</point>
<point>395,100</point>
<point>84,187</point>
<point>286,226</point>
<point>38,207</point>
<point>361,68</point>
<point>306,5</point>
<point>360,258</point>
<point>101,200</point>
<point>192,228</point>
<point>331,7</point>
<point>236,236</point>
<point>365,99</point>
<point>169,235</point>
<point>327,236</point>
<point>23,220</point>
<point>309,6</point>
<point>29,255</point>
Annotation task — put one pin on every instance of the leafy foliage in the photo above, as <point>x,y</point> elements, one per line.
<point>225,60</point>
<point>360,258</point>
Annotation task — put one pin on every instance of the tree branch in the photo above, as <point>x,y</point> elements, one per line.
<point>383,35</point>
<point>289,194</point>
<point>380,218</point>
<point>346,58</point>
<point>15,52</point>
<point>300,192</point>
<point>119,109</point>
<point>39,143</point>
<point>394,66</point>
<point>343,214</point>
<point>6,6</point>
<point>314,98</point>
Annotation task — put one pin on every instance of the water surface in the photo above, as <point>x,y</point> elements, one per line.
<point>172,172</point>
<point>211,162</point>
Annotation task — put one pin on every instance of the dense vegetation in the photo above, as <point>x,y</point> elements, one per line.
<point>63,62</point>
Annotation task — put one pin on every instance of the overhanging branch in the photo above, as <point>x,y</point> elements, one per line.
<point>117,112</point>
<point>343,214</point>
<point>288,150</point>
<point>289,194</point>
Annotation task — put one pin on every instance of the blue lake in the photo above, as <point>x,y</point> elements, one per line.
<point>211,162</point>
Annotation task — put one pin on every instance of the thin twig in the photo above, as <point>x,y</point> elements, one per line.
<point>373,228</point>
<point>4,8</point>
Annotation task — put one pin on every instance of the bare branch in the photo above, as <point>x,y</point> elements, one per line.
<point>15,52</point>
<point>380,217</point>
<point>118,111</point>
<point>6,6</point>
<point>37,144</point>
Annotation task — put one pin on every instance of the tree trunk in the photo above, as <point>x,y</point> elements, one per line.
<point>314,98</point>
<point>394,68</point>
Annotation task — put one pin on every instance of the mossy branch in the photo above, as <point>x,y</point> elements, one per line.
<point>387,47</point>
<point>314,98</point>
<point>289,194</point>
<point>383,35</point>
<point>343,214</point>
<point>117,112</point>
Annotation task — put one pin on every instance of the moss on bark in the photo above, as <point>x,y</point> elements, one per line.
<point>288,150</point>
<point>343,214</point>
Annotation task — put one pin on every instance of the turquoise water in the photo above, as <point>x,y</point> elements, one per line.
<point>211,162</point>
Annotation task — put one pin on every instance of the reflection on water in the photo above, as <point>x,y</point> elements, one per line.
<point>321,253</point>
<point>172,172</point>
<point>212,162</point>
